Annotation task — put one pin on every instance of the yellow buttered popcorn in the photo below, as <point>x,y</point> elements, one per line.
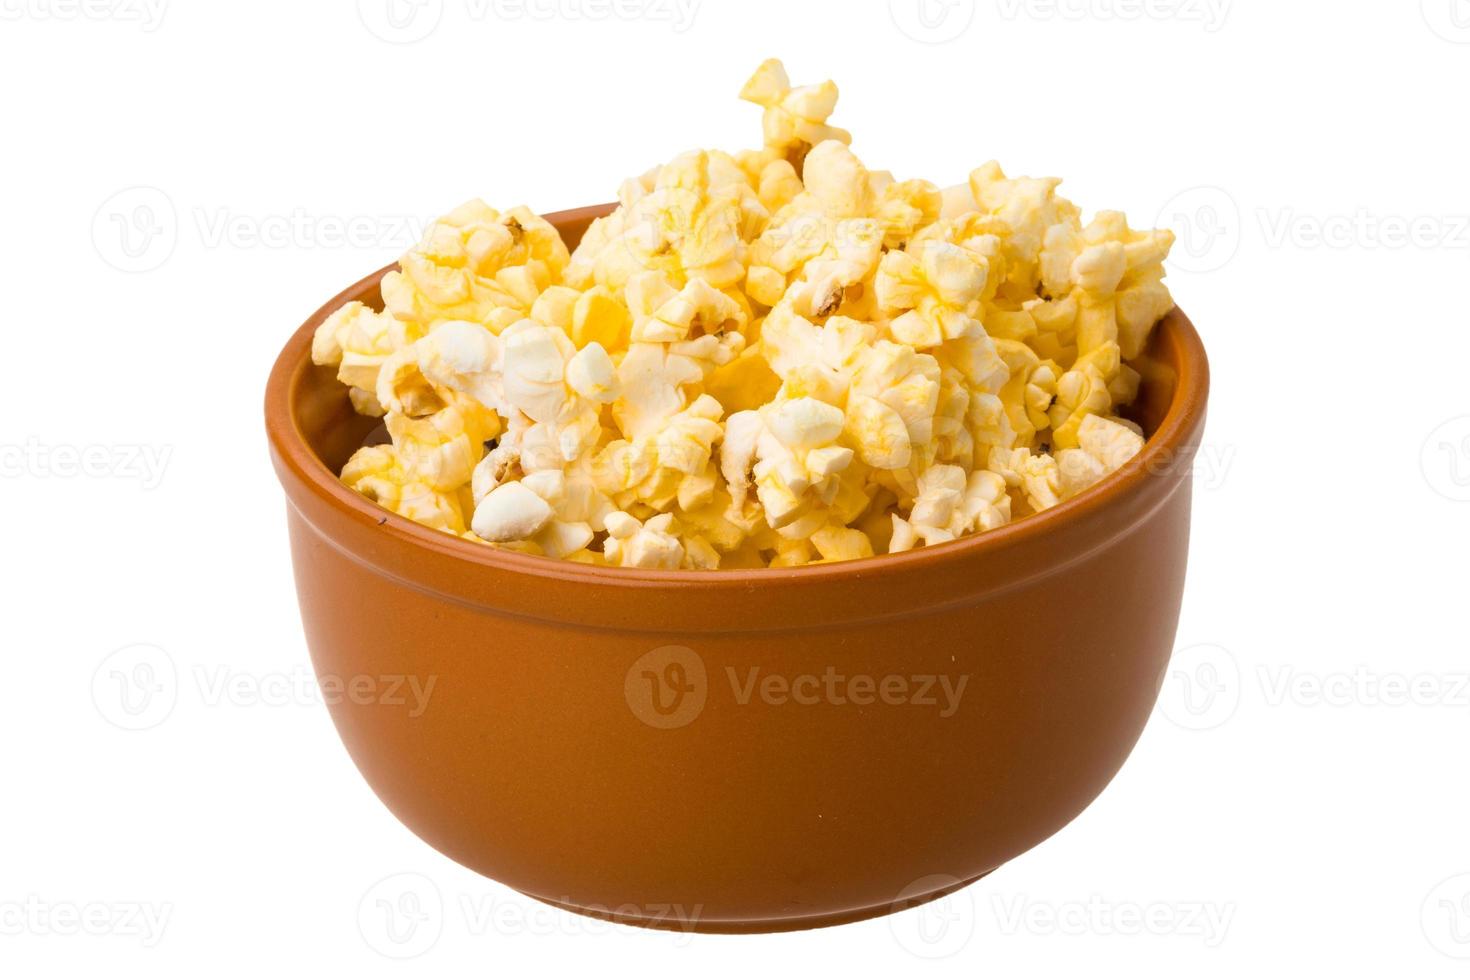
<point>795,119</point>
<point>358,341</point>
<point>381,474</point>
<point>766,358</point>
<point>478,264</point>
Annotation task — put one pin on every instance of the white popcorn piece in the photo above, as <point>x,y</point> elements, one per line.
<point>591,374</point>
<point>793,116</point>
<point>510,512</point>
<point>465,357</point>
<point>636,544</point>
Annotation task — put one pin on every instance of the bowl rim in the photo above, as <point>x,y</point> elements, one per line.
<point>1168,443</point>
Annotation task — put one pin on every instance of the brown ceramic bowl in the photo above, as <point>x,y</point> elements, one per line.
<point>739,751</point>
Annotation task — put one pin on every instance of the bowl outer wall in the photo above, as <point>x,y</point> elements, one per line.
<point>534,761</point>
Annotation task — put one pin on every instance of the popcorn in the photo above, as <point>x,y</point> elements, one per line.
<point>653,544</point>
<point>662,315</point>
<point>827,235</point>
<point>656,380</point>
<point>1027,207</point>
<point>689,225</point>
<point>476,264</point>
<point>1030,389</point>
<point>950,503</point>
<point>464,357</point>
<point>443,448</point>
<point>673,463</point>
<point>357,340</point>
<point>933,295</point>
<point>1081,392</point>
<point>905,208</point>
<point>381,474</point>
<point>795,118</point>
<point>841,543</point>
<point>1035,476</point>
<point>511,512</point>
<point>798,467</point>
<point>762,359</point>
<point>550,512</point>
<point>590,373</point>
<point>599,317</point>
<point>1104,446</point>
<point>880,433</point>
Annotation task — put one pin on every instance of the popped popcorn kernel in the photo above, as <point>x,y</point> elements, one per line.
<point>795,119</point>
<point>768,358</point>
<point>381,474</point>
<point>476,263</point>
<point>357,340</point>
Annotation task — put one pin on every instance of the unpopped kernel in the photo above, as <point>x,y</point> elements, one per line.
<point>762,359</point>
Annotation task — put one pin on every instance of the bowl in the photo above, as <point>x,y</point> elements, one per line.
<point>742,750</point>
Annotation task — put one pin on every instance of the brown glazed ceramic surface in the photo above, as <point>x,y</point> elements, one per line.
<point>748,750</point>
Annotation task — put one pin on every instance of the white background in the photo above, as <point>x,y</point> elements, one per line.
<point>1299,801</point>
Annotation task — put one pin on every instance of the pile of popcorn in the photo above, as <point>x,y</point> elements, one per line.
<point>770,358</point>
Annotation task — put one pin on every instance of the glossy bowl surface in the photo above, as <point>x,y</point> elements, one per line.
<point>743,750</point>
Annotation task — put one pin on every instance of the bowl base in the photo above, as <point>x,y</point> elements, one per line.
<point>673,921</point>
